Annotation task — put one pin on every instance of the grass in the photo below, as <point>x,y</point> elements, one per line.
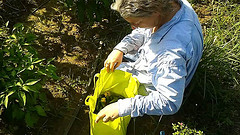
<point>216,82</point>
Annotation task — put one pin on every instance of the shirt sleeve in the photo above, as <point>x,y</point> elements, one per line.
<point>168,78</point>
<point>133,41</point>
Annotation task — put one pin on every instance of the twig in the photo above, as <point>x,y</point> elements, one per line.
<point>40,6</point>
<point>157,125</point>
<point>23,5</point>
<point>10,6</point>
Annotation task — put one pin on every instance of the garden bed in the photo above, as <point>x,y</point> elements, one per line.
<point>79,51</point>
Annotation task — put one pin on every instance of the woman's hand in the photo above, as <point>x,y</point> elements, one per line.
<point>110,112</point>
<point>114,60</point>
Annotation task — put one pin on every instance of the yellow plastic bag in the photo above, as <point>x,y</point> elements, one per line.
<point>118,82</point>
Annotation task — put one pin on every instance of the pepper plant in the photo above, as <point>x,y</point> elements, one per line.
<point>22,75</point>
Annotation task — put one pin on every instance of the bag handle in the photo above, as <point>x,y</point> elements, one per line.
<point>87,100</point>
<point>94,79</point>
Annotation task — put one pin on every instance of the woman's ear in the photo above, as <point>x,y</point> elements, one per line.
<point>156,13</point>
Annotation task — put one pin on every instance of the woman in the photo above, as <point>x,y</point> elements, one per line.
<point>164,49</point>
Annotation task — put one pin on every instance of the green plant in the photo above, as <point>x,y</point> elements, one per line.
<point>215,98</point>
<point>22,74</point>
<point>182,129</point>
<point>89,10</point>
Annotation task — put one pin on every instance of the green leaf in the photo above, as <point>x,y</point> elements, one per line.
<point>6,77</point>
<point>38,61</point>
<point>42,73</point>
<point>7,24</point>
<point>21,71</point>
<point>106,3</point>
<point>13,36</point>
<point>17,113</point>
<point>19,84</point>
<point>40,110</point>
<point>32,82</point>
<point>9,68</point>
<point>23,96</point>
<point>30,37</point>
<point>69,3</point>
<point>18,25</point>
<point>6,102</point>
<point>31,119</point>
<point>51,67</point>
<point>50,60</point>
<point>6,98</point>
<point>43,97</point>
<point>26,88</point>
<point>26,44</point>
<point>31,67</point>
<point>21,80</point>
<point>13,73</point>
<point>30,88</point>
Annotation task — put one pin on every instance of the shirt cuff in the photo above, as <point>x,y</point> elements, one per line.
<point>124,106</point>
<point>121,47</point>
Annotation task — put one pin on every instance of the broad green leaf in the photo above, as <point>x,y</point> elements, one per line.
<point>23,96</point>
<point>40,110</point>
<point>32,82</point>
<point>31,119</point>
<point>30,37</point>
<point>17,113</point>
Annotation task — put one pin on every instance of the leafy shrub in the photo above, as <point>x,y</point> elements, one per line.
<point>182,129</point>
<point>90,10</point>
<point>22,74</point>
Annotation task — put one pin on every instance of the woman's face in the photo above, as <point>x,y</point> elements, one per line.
<point>145,22</point>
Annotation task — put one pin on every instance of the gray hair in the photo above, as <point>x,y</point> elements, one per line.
<point>142,8</point>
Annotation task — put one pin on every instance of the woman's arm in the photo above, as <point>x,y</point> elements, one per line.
<point>168,78</point>
<point>129,44</point>
<point>133,41</point>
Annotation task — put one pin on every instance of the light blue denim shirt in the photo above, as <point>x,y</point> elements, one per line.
<point>164,62</point>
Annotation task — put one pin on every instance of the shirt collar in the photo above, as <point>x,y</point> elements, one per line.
<point>159,34</point>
